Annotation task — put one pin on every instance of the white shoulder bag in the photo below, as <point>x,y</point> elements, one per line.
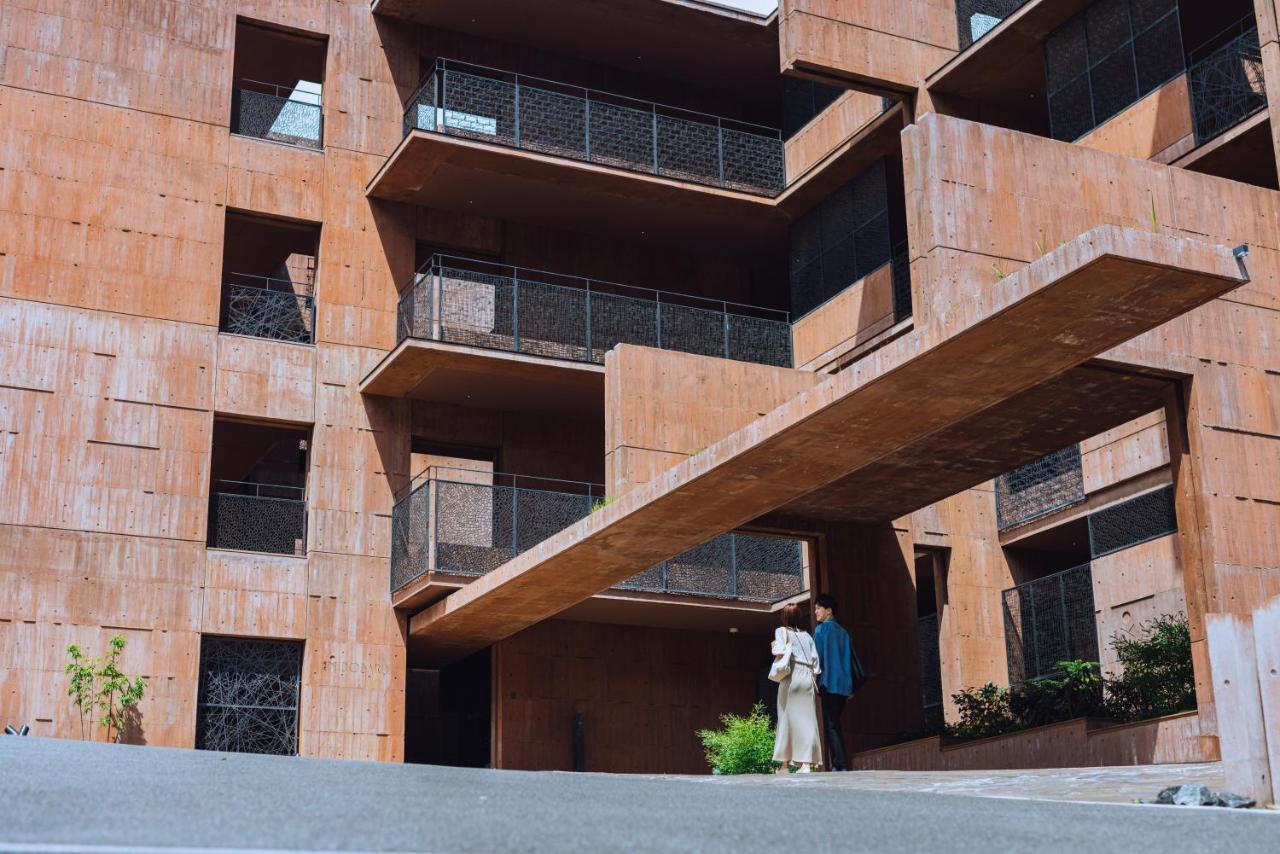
<point>781,667</point>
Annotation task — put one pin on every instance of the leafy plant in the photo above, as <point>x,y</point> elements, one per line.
<point>1076,693</point>
<point>81,678</point>
<point>1157,676</point>
<point>601,503</point>
<point>743,746</point>
<point>983,712</point>
<point>98,685</point>
<point>998,271</point>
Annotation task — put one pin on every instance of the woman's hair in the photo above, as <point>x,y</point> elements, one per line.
<point>795,617</point>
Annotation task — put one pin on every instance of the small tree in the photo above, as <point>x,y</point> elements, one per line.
<point>97,685</point>
<point>1157,676</point>
<point>81,678</point>
<point>744,746</point>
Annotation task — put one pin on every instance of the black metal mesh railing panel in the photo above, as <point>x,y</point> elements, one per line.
<point>688,151</point>
<point>248,696</point>
<point>478,107</point>
<point>975,18</point>
<point>768,568</point>
<point>420,113</point>
<point>477,309</point>
<point>552,321</point>
<point>1039,488</point>
<point>258,523</point>
<point>754,339</point>
<point>692,330</point>
<point>621,136</point>
<point>752,162</point>
<point>840,240</point>
<point>930,668</point>
<point>1132,522</point>
<point>802,100</point>
<point>514,310</point>
<point>901,283</point>
<point>582,124</point>
<point>265,312</point>
<point>1227,86</point>
<point>414,311</point>
<point>553,123</point>
<point>730,566</point>
<point>540,514</point>
<point>409,536</point>
<point>621,320</point>
<point>1050,620</point>
<point>277,118</point>
<point>1106,58</point>
<point>473,527</point>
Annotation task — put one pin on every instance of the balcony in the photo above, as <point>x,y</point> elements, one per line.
<point>258,517</point>
<point>291,115</point>
<point>504,145</point>
<point>1048,620</point>
<point>1227,84</point>
<point>545,116</point>
<point>1039,488</point>
<point>451,524</point>
<point>552,315</point>
<point>267,307</point>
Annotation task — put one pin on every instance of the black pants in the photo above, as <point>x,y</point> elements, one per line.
<point>832,709</point>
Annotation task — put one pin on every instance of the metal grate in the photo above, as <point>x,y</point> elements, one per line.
<point>901,283</point>
<point>1132,522</point>
<point>840,240</point>
<point>930,670</point>
<point>264,307</point>
<point>499,307</point>
<point>258,517</point>
<point>803,100</point>
<point>1227,86</point>
<point>1106,58</point>
<point>277,113</point>
<point>1049,620</point>
<point>248,696</point>
<point>976,18</point>
<point>1039,488</point>
<point>472,101</point>
<point>448,524</point>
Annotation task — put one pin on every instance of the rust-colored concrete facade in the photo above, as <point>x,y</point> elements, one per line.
<point>503,373</point>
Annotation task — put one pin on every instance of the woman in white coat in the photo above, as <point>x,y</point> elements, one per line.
<point>798,737</point>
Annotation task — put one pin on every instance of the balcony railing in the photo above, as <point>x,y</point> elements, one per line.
<point>1049,620</point>
<point>277,113</point>
<point>258,517</point>
<point>263,307</point>
<point>498,307</point>
<point>1227,85</point>
<point>456,521</point>
<point>976,18</point>
<point>472,101</point>
<point>1039,488</point>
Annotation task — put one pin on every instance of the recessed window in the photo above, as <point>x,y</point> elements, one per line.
<point>268,278</point>
<point>277,90</point>
<point>248,698</point>
<point>257,494</point>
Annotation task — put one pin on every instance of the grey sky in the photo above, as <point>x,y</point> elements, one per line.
<point>762,7</point>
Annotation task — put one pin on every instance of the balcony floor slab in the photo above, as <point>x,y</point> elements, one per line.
<point>480,178</point>
<point>1105,287</point>
<point>490,379</point>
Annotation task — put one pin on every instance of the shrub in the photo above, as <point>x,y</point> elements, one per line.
<point>983,712</point>
<point>1157,676</point>
<point>1077,693</point>
<point>97,683</point>
<point>744,746</point>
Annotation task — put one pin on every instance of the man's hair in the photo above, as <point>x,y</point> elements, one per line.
<point>826,600</point>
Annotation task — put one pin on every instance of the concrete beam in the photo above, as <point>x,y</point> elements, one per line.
<point>1093,293</point>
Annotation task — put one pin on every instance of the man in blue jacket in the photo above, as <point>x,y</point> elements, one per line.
<point>835,683</point>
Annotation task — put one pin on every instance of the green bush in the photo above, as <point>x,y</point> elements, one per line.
<point>744,746</point>
<point>1078,692</point>
<point>1157,677</point>
<point>983,712</point>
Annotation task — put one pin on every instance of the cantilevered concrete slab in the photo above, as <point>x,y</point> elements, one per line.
<point>1093,293</point>
<point>468,176</point>
<point>456,373</point>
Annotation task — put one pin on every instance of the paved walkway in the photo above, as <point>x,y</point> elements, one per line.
<point>63,796</point>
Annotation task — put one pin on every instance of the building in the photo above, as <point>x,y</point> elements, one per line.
<point>471,382</point>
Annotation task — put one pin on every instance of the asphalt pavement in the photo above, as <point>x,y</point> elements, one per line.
<point>62,796</point>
